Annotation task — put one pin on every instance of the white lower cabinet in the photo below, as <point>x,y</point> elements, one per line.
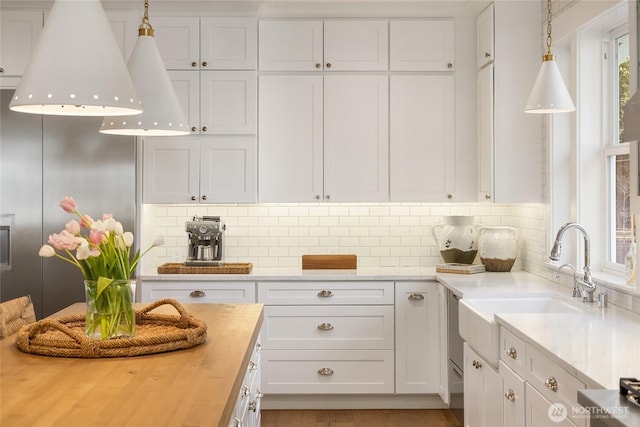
<point>327,337</point>
<point>513,407</point>
<point>198,292</point>
<point>246,413</point>
<point>417,337</point>
<point>540,413</point>
<point>482,387</point>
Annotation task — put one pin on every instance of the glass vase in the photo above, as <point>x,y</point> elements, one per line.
<point>110,312</point>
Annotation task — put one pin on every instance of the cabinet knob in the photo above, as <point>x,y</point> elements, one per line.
<point>197,294</point>
<point>328,196</point>
<point>487,55</point>
<point>194,64</point>
<point>253,366</point>
<point>318,65</point>
<point>449,196</point>
<point>253,406</point>
<point>317,197</point>
<point>476,364</point>
<point>512,352</point>
<point>325,293</point>
<point>416,297</point>
<point>194,198</point>
<point>552,384</point>
<point>325,371</point>
<point>1,70</point>
<point>325,326</point>
<point>204,128</point>
<point>487,197</point>
<point>449,65</point>
<point>237,422</point>
<point>204,63</point>
<point>246,391</point>
<point>193,128</point>
<point>204,197</point>
<point>510,395</point>
<point>328,64</point>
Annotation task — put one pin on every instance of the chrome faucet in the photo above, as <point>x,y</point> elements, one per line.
<point>586,282</point>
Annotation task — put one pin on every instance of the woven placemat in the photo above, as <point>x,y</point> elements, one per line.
<point>155,333</point>
<point>225,268</point>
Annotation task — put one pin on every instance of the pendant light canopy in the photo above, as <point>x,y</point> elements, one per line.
<point>76,68</point>
<point>162,114</point>
<point>549,93</point>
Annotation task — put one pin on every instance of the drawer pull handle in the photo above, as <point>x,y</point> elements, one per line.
<point>325,293</point>
<point>416,297</point>
<point>253,366</point>
<point>510,395</point>
<point>259,394</point>
<point>237,422</point>
<point>551,384</point>
<point>325,371</point>
<point>253,406</point>
<point>325,326</point>
<point>197,294</point>
<point>476,364</point>
<point>512,353</point>
<point>245,391</point>
<point>258,346</point>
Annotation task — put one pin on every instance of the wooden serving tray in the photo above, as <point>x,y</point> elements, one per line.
<point>225,268</point>
<point>329,262</point>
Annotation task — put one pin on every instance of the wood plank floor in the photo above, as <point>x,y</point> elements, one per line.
<point>360,418</point>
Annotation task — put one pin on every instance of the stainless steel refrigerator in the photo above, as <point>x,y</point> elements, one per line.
<point>42,160</point>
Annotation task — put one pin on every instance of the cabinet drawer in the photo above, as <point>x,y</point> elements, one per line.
<point>328,327</point>
<point>539,414</point>
<point>200,292</point>
<point>325,293</point>
<point>513,406</point>
<point>551,381</point>
<point>513,352</point>
<point>328,372</point>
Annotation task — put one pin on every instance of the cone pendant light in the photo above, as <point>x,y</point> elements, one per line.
<point>162,114</point>
<point>549,93</point>
<point>76,68</point>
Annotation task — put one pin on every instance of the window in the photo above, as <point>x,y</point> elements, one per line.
<point>616,72</point>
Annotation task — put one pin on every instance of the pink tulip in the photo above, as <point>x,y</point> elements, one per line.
<point>73,227</point>
<point>95,237</point>
<point>63,240</point>
<point>106,216</point>
<point>69,205</point>
<point>86,221</point>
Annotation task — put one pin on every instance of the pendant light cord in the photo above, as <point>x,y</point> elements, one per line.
<point>145,28</point>
<point>549,55</point>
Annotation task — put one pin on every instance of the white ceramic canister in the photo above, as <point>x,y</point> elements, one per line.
<point>457,239</point>
<point>498,247</point>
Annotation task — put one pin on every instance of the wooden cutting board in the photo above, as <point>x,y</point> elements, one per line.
<point>329,262</point>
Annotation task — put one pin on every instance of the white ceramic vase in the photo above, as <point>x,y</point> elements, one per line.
<point>498,247</point>
<point>457,239</point>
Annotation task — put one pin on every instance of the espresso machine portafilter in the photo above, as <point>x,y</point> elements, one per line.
<point>205,240</point>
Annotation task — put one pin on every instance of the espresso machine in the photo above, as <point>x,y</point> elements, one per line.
<point>205,240</point>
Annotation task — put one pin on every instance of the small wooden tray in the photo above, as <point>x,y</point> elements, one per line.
<point>155,333</point>
<point>226,268</point>
<point>329,262</point>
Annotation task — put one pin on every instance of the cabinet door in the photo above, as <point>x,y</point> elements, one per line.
<point>422,45</point>
<point>485,133</point>
<point>485,37</point>
<point>482,392</point>
<point>417,332</point>
<point>228,102</point>
<point>422,145</point>
<point>178,40</point>
<point>290,45</point>
<point>356,45</point>
<point>513,406</point>
<point>187,87</point>
<point>356,138</point>
<point>125,29</point>
<point>290,135</point>
<point>19,32</point>
<point>538,411</point>
<point>228,169</point>
<point>228,43</point>
<point>171,168</point>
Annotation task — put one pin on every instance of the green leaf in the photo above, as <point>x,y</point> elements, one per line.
<point>103,283</point>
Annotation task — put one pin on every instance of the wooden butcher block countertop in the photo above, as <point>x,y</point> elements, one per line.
<point>193,387</point>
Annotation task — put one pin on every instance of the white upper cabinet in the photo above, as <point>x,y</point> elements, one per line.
<point>422,144</point>
<point>485,36</point>
<point>19,32</point>
<point>188,43</point>
<point>228,102</point>
<point>424,45</point>
<point>124,24</point>
<point>313,45</point>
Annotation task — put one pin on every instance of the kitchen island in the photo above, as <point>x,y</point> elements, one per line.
<point>193,387</point>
